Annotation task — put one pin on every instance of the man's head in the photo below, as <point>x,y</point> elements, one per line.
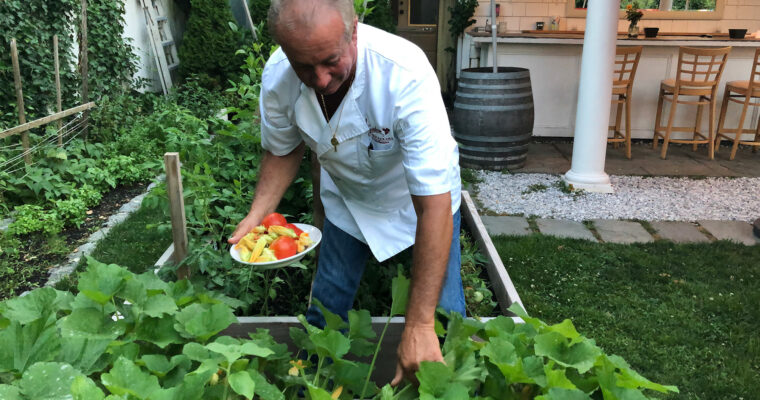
<point>319,39</point>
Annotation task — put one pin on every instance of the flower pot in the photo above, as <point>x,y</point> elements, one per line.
<point>651,32</point>
<point>633,30</point>
<point>737,33</point>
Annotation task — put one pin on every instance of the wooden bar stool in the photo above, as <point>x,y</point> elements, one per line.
<point>698,75</point>
<point>741,92</point>
<point>626,63</point>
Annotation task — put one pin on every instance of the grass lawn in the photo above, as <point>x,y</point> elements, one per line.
<point>684,315</point>
<point>129,244</point>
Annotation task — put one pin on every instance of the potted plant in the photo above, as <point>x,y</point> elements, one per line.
<point>633,15</point>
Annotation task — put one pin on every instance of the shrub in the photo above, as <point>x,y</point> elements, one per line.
<point>209,45</point>
<point>32,218</point>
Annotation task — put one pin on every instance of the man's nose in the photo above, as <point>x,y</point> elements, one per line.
<point>321,78</point>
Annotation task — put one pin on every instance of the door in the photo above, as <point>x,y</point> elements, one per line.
<point>418,23</point>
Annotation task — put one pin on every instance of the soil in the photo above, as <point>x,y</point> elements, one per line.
<point>39,253</point>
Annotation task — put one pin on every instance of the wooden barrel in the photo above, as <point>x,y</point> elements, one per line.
<point>493,117</point>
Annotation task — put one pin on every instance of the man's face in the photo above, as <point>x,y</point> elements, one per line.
<point>322,58</point>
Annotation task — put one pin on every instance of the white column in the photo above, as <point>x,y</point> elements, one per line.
<point>594,96</point>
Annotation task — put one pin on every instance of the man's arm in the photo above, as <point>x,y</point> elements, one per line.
<point>430,257</point>
<point>276,174</point>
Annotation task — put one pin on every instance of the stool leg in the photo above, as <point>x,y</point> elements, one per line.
<point>669,129</point>
<point>618,116</point>
<point>628,126</point>
<point>757,136</point>
<point>739,129</point>
<point>711,127</point>
<point>722,118</point>
<point>657,118</point>
<point>697,124</point>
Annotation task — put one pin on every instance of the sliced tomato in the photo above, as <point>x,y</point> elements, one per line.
<point>294,228</point>
<point>274,219</point>
<point>284,247</point>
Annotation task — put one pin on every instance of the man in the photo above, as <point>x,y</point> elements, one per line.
<point>368,105</point>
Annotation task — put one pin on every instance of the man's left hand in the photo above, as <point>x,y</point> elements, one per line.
<point>418,343</point>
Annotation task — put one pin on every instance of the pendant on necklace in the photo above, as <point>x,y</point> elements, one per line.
<point>335,143</point>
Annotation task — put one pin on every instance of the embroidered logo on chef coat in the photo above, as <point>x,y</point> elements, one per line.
<point>380,139</point>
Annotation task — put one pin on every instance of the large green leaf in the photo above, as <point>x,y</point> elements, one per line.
<point>242,384</point>
<point>434,378</point>
<point>359,331</point>
<point>100,282</point>
<point>159,331</point>
<point>25,345</point>
<point>332,321</point>
<point>48,381</point>
<point>84,388</point>
<point>331,343</point>
<point>501,353</point>
<point>498,325</point>
<point>8,392</point>
<point>631,379</point>
<point>557,347</point>
<point>90,323</point>
<point>126,378</point>
<point>264,389</point>
<point>201,321</point>
<point>400,294</point>
<point>564,394</point>
<point>233,352</point>
<point>83,354</point>
<point>556,378</point>
<point>158,305</point>
<point>566,329</point>
<point>37,304</point>
<point>317,393</point>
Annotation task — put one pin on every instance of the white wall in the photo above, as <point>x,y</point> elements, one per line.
<point>136,30</point>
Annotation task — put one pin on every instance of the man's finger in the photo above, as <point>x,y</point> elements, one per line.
<point>399,375</point>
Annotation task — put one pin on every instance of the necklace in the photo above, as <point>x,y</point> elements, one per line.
<point>334,141</point>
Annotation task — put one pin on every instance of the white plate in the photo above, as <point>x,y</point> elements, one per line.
<point>314,234</point>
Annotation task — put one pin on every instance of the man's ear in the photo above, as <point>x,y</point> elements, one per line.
<point>356,25</point>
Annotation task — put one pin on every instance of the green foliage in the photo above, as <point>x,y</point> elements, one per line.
<point>259,10</point>
<point>111,62</point>
<point>33,23</point>
<point>71,211</point>
<point>31,218</point>
<point>461,17</point>
<point>381,16</point>
<point>200,101</point>
<point>209,45</point>
<point>134,335</point>
<point>478,297</point>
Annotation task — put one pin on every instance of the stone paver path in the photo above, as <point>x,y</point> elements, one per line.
<point>736,231</point>
<point>625,232</point>
<point>564,229</point>
<point>679,232</point>
<point>510,226</point>
<point>612,231</point>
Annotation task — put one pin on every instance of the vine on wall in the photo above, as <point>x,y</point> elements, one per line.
<point>33,23</point>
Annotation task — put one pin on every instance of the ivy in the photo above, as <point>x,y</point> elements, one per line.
<point>33,23</point>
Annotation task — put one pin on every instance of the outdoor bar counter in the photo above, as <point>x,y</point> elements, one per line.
<point>554,61</point>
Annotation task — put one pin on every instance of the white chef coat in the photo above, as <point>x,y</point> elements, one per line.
<point>394,134</point>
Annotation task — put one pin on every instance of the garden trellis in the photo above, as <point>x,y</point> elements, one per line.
<point>24,127</point>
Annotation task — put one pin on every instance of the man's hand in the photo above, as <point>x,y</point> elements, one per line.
<point>418,343</point>
<point>246,225</point>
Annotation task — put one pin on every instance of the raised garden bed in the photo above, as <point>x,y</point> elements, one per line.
<point>279,326</point>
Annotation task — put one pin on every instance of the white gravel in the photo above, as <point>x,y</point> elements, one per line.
<point>635,197</point>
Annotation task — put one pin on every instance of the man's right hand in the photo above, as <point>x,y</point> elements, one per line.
<point>246,225</point>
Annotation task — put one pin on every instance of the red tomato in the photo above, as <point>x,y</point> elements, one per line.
<point>284,247</point>
<point>274,219</point>
<point>294,228</point>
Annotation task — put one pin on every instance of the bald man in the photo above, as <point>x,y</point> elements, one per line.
<point>368,105</point>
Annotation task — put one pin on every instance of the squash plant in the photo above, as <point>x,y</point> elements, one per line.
<point>127,336</point>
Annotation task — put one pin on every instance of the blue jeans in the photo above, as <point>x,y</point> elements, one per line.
<point>342,259</point>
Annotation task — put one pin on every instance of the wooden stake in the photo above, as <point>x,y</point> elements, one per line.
<point>20,100</point>
<point>250,20</point>
<point>58,88</point>
<point>83,64</point>
<point>177,211</point>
